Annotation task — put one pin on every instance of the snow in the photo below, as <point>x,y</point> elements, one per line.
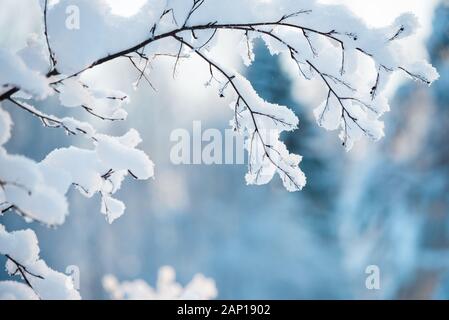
<point>25,187</point>
<point>119,156</point>
<point>14,72</point>
<point>261,124</point>
<point>38,190</point>
<point>102,169</point>
<point>13,290</point>
<point>21,245</point>
<point>328,114</point>
<point>103,103</point>
<point>423,71</point>
<point>404,26</point>
<point>74,94</point>
<point>54,285</point>
<point>22,251</point>
<point>34,55</point>
<point>5,126</point>
<point>199,288</point>
<point>112,208</point>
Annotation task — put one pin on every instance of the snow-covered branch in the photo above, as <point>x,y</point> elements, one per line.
<point>352,61</point>
<point>40,282</point>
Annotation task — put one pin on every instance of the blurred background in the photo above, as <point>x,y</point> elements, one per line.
<point>384,204</point>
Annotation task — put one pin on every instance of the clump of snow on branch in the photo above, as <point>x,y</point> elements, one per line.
<point>41,282</point>
<point>262,123</point>
<point>104,104</point>
<point>102,169</point>
<point>14,72</point>
<point>13,290</point>
<point>37,190</point>
<point>199,288</point>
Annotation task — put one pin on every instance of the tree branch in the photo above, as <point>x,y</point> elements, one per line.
<point>24,272</point>
<point>230,80</point>
<point>49,121</point>
<point>50,51</point>
<point>331,35</point>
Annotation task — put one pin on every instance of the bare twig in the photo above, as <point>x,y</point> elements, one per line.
<point>50,51</point>
<point>49,121</point>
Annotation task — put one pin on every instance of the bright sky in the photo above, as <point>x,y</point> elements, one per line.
<point>379,13</point>
<point>375,12</point>
<point>382,12</point>
<point>125,7</point>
